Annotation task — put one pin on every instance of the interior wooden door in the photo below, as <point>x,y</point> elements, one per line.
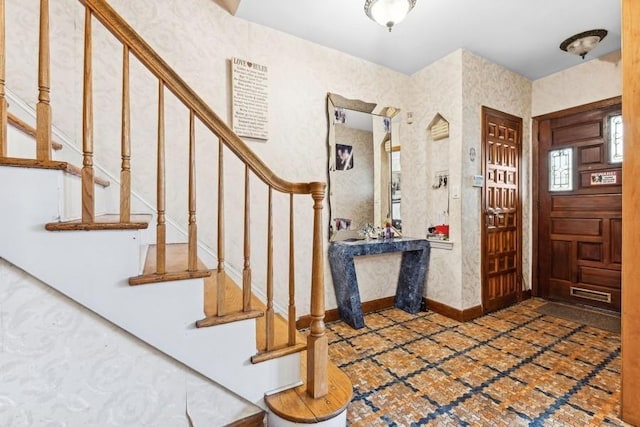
<point>580,205</point>
<point>502,229</point>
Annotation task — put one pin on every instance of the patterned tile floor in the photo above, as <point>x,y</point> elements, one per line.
<point>511,368</point>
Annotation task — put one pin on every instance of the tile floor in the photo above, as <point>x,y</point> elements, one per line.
<point>510,368</point>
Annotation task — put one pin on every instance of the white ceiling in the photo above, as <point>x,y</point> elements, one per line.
<point>521,35</point>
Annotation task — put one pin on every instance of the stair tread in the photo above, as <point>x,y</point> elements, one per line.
<point>233,304</point>
<point>177,255</point>
<point>26,128</point>
<point>49,164</point>
<point>32,163</point>
<point>103,222</point>
<point>297,406</point>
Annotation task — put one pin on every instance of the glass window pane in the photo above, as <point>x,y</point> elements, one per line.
<point>561,170</point>
<point>615,139</point>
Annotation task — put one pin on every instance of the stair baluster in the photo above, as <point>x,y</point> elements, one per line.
<point>161,228</point>
<point>125,172</point>
<point>3,99</point>
<point>270,333</point>
<point>220,274</point>
<point>43,108</point>
<point>292,278</point>
<point>246,272</point>
<point>193,227</point>
<point>88,190</point>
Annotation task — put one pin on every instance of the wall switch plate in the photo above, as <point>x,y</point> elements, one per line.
<point>455,191</point>
<point>478,181</point>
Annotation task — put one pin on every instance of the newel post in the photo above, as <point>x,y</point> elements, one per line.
<point>317,343</point>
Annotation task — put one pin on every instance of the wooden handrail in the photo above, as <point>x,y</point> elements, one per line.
<point>138,47</point>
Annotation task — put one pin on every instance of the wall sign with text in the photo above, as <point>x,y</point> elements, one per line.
<point>604,178</point>
<point>250,99</point>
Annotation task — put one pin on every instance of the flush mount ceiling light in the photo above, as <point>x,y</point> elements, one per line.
<point>388,12</point>
<point>583,43</point>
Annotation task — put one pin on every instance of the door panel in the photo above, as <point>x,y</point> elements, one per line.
<point>579,228</point>
<point>502,230</point>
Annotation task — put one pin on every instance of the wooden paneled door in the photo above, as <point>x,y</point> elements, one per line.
<point>580,204</point>
<point>502,219</point>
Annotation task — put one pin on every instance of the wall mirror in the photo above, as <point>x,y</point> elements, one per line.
<point>363,166</point>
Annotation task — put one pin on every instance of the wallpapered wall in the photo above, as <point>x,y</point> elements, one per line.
<point>435,89</point>
<point>587,82</point>
<point>301,73</point>
<point>457,86</point>
<point>487,84</point>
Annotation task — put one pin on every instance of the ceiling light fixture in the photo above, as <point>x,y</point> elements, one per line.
<point>583,43</point>
<point>388,12</point>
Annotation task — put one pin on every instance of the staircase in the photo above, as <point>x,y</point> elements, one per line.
<point>75,231</point>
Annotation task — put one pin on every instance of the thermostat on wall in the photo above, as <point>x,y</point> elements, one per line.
<point>478,180</point>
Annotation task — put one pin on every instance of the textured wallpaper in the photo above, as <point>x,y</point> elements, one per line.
<point>62,365</point>
<point>435,89</point>
<point>488,84</point>
<point>587,82</point>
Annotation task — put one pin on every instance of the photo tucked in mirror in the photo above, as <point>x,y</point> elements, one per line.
<point>364,180</point>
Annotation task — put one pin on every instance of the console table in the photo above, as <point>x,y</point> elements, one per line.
<point>413,270</point>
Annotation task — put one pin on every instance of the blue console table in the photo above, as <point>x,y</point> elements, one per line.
<point>413,270</point>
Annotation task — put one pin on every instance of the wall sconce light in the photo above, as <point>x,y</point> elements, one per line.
<point>388,12</point>
<point>472,154</point>
<point>583,43</point>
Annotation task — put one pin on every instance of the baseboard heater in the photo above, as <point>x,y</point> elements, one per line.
<point>592,295</point>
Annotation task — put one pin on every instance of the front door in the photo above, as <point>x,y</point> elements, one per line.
<point>580,205</point>
<point>502,224</point>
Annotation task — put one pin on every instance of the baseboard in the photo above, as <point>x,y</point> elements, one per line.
<point>333,314</point>
<point>453,313</point>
